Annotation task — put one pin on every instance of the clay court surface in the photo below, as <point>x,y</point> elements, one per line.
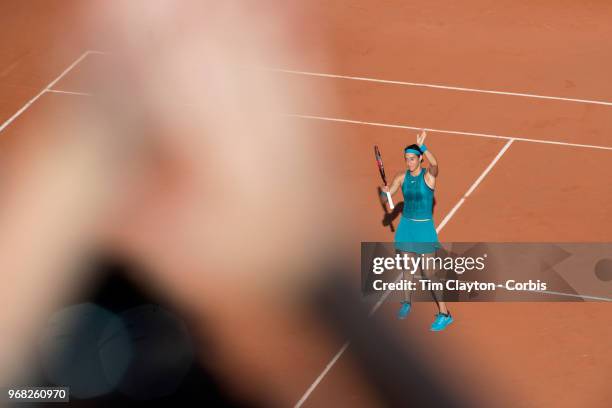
<point>489,144</point>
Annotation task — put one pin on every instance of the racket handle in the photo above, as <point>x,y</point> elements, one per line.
<point>391,206</point>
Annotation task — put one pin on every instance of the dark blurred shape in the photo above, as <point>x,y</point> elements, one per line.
<point>163,352</point>
<point>76,354</point>
<point>115,345</point>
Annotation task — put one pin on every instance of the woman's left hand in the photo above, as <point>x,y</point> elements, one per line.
<point>421,137</point>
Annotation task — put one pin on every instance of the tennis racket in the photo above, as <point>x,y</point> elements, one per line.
<point>381,169</point>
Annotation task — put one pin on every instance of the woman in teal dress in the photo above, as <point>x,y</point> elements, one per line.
<point>416,233</point>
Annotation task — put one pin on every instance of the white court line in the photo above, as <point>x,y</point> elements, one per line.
<point>450,132</point>
<point>323,374</point>
<point>59,91</point>
<point>422,85</point>
<point>339,354</point>
<point>450,88</point>
<point>336,357</point>
<point>41,93</point>
<point>388,125</point>
<point>473,187</point>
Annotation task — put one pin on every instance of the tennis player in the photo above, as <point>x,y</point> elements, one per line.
<point>416,234</point>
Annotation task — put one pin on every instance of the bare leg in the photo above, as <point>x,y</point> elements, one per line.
<point>408,293</point>
<point>429,272</point>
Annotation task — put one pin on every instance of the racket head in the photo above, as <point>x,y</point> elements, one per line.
<point>379,162</point>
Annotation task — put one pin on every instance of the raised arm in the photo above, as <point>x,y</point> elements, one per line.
<point>432,171</point>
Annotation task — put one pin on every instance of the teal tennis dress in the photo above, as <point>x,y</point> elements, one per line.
<point>416,231</point>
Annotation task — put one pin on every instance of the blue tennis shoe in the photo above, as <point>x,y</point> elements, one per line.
<point>404,310</point>
<point>441,321</point>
